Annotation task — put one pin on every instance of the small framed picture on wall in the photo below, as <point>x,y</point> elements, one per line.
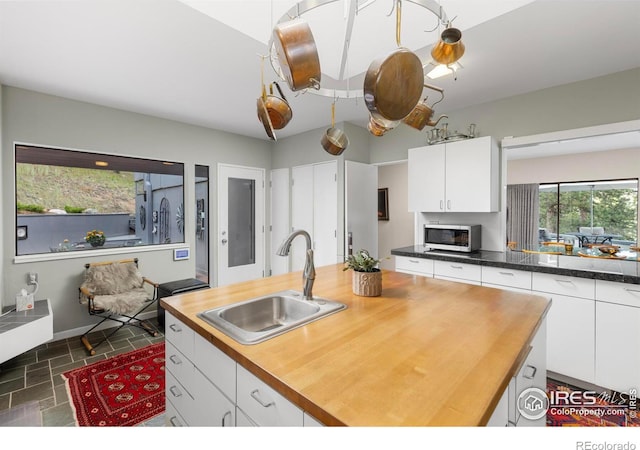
<point>383,204</point>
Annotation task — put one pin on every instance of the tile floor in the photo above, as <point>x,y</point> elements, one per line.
<point>35,376</point>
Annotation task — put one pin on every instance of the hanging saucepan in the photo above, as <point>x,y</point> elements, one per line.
<point>422,113</point>
<point>278,108</point>
<point>263,114</point>
<point>449,48</point>
<point>393,84</point>
<point>297,54</point>
<point>334,140</point>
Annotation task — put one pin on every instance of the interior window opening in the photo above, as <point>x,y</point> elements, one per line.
<point>68,200</point>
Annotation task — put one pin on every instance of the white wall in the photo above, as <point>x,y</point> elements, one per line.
<point>46,120</point>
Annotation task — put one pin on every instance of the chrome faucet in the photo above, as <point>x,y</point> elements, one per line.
<point>309,272</point>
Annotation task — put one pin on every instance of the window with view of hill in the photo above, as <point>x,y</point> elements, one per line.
<point>68,200</point>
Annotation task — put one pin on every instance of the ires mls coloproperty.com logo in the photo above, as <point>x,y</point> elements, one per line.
<point>534,403</point>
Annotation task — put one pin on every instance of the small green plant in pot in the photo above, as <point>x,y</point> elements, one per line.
<point>367,277</point>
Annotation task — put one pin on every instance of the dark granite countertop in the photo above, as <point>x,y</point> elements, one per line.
<point>600,269</point>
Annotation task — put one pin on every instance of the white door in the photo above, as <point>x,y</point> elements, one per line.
<point>240,224</point>
<point>301,211</point>
<point>325,213</point>
<point>361,208</point>
<point>279,229</point>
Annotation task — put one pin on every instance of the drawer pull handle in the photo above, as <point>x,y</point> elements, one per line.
<point>257,398</point>
<point>175,391</point>
<point>228,413</point>
<point>415,261</point>
<point>510,274</point>
<point>565,281</point>
<point>636,291</point>
<point>175,359</point>
<point>175,421</point>
<point>175,328</point>
<point>532,374</point>
<point>456,267</point>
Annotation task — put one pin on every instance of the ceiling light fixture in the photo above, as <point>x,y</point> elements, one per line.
<point>442,70</point>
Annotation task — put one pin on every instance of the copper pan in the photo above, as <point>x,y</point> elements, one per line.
<point>297,54</point>
<point>334,140</point>
<point>449,48</point>
<point>393,83</point>
<point>278,108</point>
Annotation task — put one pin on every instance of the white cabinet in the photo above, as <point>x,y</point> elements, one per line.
<point>263,405</point>
<point>200,379</point>
<point>414,266</point>
<point>455,271</point>
<point>570,324</point>
<point>314,208</point>
<point>617,334</point>
<point>460,176</point>
<point>506,278</point>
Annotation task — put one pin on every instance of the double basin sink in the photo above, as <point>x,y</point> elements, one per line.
<point>258,319</point>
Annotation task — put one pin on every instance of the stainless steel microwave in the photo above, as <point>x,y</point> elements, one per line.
<point>457,238</point>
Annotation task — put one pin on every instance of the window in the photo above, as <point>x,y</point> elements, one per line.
<point>63,196</point>
<point>590,211</point>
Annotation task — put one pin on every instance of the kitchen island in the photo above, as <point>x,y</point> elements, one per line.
<point>426,353</point>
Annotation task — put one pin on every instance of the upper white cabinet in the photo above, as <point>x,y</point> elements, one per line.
<point>460,176</point>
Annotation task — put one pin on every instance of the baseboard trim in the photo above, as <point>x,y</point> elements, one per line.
<point>77,332</point>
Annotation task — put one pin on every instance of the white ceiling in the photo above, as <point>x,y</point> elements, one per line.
<point>172,60</point>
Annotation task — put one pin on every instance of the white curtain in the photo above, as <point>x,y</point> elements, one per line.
<point>523,208</point>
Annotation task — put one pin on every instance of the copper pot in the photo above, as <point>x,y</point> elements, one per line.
<point>278,108</point>
<point>334,140</point>
<point>393,84</point>
<point>378,126</point>
<point>449,48</point>
<point>421,115</point>
<point>297,54</point>
<point>263,115</point>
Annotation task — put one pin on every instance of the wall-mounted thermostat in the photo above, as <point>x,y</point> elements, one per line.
<point>181,253</point>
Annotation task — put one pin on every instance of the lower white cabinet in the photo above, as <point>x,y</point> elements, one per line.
<point>532,373</point>
<point>263,405</point>
<point>506,278</point>
<point>455,271</point>
<point>617,333</point>
<point>414,266</point>
<point>209,388</point>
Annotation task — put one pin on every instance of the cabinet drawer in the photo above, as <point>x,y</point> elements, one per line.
<point>179,366</point>
<point>173,417</point>
<point>263,405</point>
<point>506,277</point>
<point>469,272</point>
<point>419,266</point>
<point>564,285</point>
<point>618,293</point>
<point>178,396</point>
<point>219,368</point>
<point>180,335</point>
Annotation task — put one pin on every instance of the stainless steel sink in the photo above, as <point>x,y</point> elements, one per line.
<point>258,319</point>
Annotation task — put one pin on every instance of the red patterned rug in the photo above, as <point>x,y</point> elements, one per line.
<point>120,391</point>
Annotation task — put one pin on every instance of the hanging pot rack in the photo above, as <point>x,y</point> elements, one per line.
<point>354,7</point>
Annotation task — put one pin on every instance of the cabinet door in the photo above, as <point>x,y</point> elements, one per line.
<point>210,407</point>
<point>426,178</point>
<point>472,175</point>
<point>617,346</point>
<point>263,405</point>
<point>325,213</point>
<point>571,337</point>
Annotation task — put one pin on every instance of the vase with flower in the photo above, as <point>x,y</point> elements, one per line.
<point>96,238</point>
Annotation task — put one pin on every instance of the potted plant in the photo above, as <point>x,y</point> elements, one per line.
<point>367,277</point>
<point>96,238</point>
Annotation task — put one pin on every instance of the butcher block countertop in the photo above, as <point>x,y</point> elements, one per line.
<point>427,352</point>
